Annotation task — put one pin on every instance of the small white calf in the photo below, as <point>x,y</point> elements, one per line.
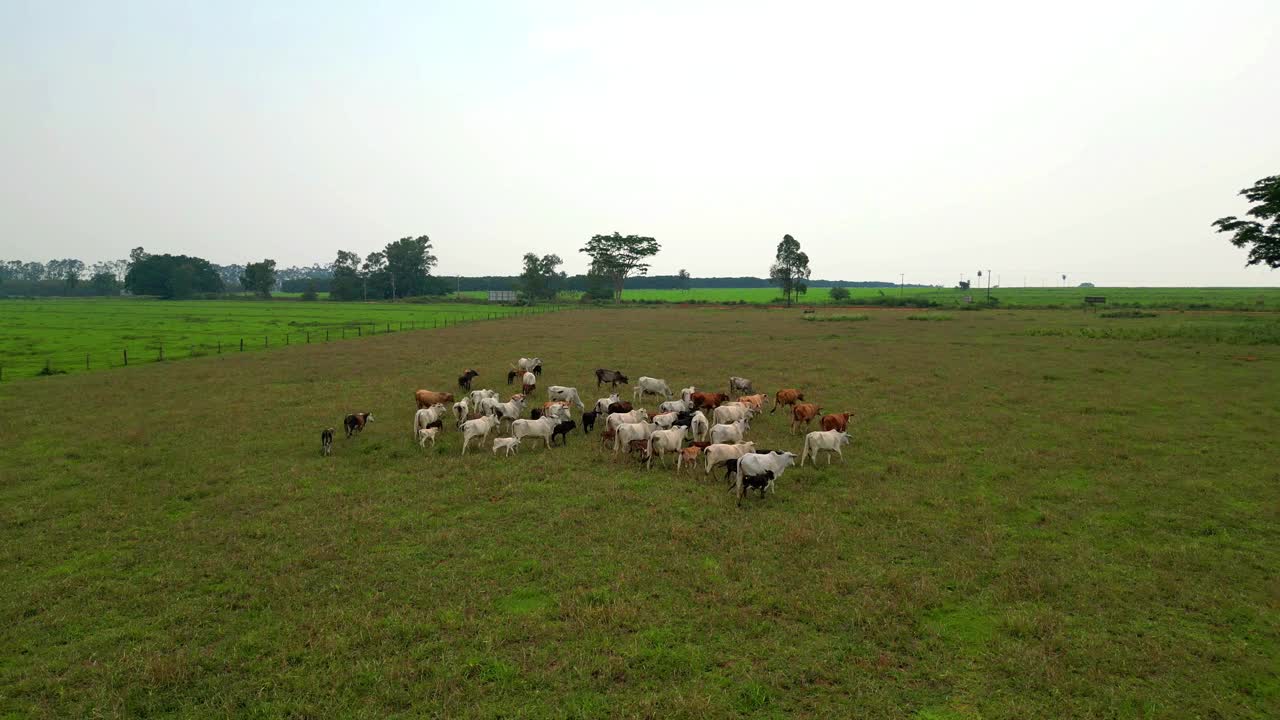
<point>509,444</point>
<point>567,394</point>
<point>540,428</point>
<point>728,433</point>
<point>426,434</point>
<point>830,440</point>
<point>665,441</point>
<point>651,386</point>
<point>479,428</point>
<point>721,454</point>
<point>632,431</point>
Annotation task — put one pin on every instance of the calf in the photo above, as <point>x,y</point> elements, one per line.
<point>802,414</point>
<point>589,421</point>
<point>557,409</point>
<point>761,482</point>
<point>464,380</point>
<point>836,421</point>
<point>427,398</point>
<point>755,465</point>
<point>613,377</point>
<point>512,374</point>
<point>639,447</point>
<point>607,436</point>
<point>461,410</point>
<point>509,444</point>
<point>830,440</point>
<point>530,383</point>
<point>786,397</point>
<point>355,422</point>
<point>426,434</point>
<point>563,430</point>
<point>739,385</point>
<point>688,455</point>
<point>326,442</point>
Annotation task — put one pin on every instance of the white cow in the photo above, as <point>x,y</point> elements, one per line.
<point>460,410</point>
<point>755,464</point>
<point>666,420</point>
<point>675,406</point>
<point>477,395</point>
<point>664,441</point>
<point>511,409</point>
<point>635,416</point>
<point>699,426</point>
<point>508,444</point>
<point>731,413</point>
<point>479,428</point>
<point>540,428</point>
<point>632,431</point>
<point>529,379</point>
<point>687,394</point>
<point>830,440</point>
<point>567,394</point>
<point>426,416</point>
<point>739,385</point>
<point>721,454</point>
<point>651,386</point>
<point>528,363</point>
<point>488,405</point>
<point>730,433</point>
<point>559,410</point>
<point>602,405</point>
<point>426,434</point>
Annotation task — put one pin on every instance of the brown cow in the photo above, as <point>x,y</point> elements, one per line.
<point>755,402</point>
<point>788,396</point>
<point>355,422</point>
<point>803,414</point>
<point>708,400</point>
<point>836,421</point>
<point>427,398</point>
<point>688,456</point>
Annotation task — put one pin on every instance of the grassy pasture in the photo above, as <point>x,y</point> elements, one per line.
<point>1179,298</point>
<point>63,331</point>
<point>1027,524</point>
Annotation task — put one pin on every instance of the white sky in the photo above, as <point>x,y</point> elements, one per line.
<point>1099,139</point>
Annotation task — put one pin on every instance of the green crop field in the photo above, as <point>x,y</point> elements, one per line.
<point>1042,514</point>
<point>72,334</point>
<point>1175,298</point>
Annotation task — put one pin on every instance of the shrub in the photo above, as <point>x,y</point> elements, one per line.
<point>836,318</point>
<point>1127,314</point>
<point>839,294</point>
<point>929,316</point>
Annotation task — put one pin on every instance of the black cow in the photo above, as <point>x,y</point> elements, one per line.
<point>563,430</point>
<point>613,377</point>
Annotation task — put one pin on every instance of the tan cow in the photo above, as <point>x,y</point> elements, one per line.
<point>427,398</point>
<point>788,396</point>
<point>803,414</point>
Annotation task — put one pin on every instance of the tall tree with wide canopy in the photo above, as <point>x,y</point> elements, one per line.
<point>171,276</point>
<point>540,280</point>
<point>348,284</point>
<point>618,257</point>
<point>1261,236</point>
<point>790,268</point>
<point>259,277</point>
<point>408,266</point>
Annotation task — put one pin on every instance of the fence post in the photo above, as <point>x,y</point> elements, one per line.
<point>433,323</point>
<point>359,332</point>
<point>47,371</point>
<point>219,346</point>
<point>308,337</point>
<point>126,357</point>
<point>86,361</point>
<point>161,352</point>
<point>326,336</point>
<point>389,327</point>
<point>241,344</point>
<point>266,341</point>
<point>286,338</point>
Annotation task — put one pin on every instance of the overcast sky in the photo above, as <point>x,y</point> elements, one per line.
<point>1099,139</point>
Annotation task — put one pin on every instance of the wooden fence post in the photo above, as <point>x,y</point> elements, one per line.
<point>162,352</point>
<point>219,346</point>
<point>286,338</point>
<point>126,357</point>
<point>308,337</point>
<point>86,361</point>
<point>266,341</point>
<point>359,332</point>
<point>241,344</point>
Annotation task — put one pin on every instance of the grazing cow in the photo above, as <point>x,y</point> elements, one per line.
<point>664,441</point>
<point>632,431</point>
<point>426,434</point>
<point>464,380</point>
<point>803,414</point>
<point>565,394</point>
<point>786,397</point>
<point>563,429</point>
<point>755,402</point>
<point>540,428</point>
<point>755,482</point>
<point>720,454</point>
<point>512,374</point>
<point>425,417</point>
<point>355,422</point>
<point>613,377</point>
<point>326,442</point>
<point>622,406</point>
<point>602,405</point>
<point>477,429</point>
<point>755,464</point>
<point>675,406</point>
<point>427,398</point>
<point>730,413</point>
<point>650,386</point>
<point>530,383</point>
<point>708,401</point>
<point>836,421</point>
<point>699,426</point>
<point>829,440</point>
<point>616,419</point>
<point>739,385</point>
<point>460,411</point>
<point>589,421</point>
<point>529,363</point>
<point>688,455</point>
<point>511,409</point>
<point>730,433</point>
<point>477,395</point>
<point>509,444</point>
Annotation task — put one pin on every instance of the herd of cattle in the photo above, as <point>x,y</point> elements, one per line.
<point>706,426</point>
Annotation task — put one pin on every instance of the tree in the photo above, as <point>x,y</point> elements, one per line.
<point>839,294</point>
<point>617,257</point>
<point>259,277</point>
<point>373,276</point>
<point>540,280</point>
<point>172,276</point>
<point>408,264</point>
<point>105,283</point>
<point>1261,236</point>
<point>348,284</point>
<point>684,279</point>
<point>310,293</point>
<point>790,268</point>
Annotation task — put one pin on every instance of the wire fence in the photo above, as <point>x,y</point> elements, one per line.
<point>192,345</point>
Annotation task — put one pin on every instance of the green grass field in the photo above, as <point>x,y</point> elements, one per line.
<point>1175,298</point>
<point>72,333</point>
<point>1031,522</point>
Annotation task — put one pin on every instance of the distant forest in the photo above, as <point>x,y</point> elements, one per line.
<point>578,283</point>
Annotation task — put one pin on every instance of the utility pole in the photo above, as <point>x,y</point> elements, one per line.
<point>901,278</point>
<point>988,285</point>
